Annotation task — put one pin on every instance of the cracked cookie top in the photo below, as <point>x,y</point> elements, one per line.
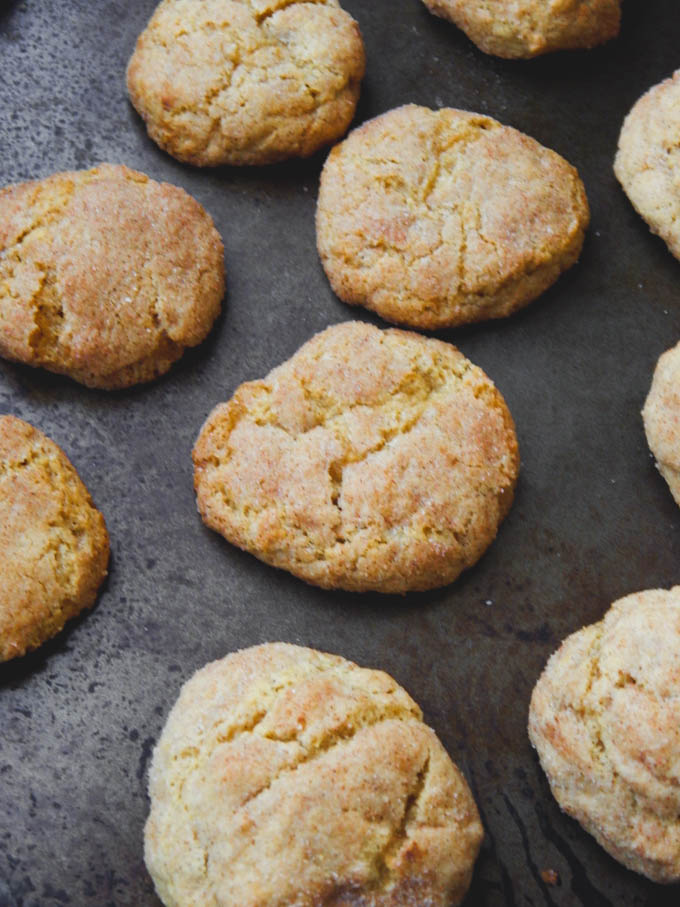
<point>647,161</point>
<point>605,720</point>
<point>661,415</point>
<point>105,275</point>
<point>527,28</point>
<point>54,547</point>
<point>286,776</point>
<point>371,460</point>
<point>246,81</point>
<point>437,218</point>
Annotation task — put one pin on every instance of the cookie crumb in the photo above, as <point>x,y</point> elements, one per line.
<point>551,877</point>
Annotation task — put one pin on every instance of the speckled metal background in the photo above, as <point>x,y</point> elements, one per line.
<point>591,522</point>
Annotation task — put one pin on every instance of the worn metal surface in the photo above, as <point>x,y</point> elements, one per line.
<point>592,519</point>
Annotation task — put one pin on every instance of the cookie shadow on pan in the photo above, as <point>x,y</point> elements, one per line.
<point>285,175</point>
<point>278,178</point>
<point>42,385</point>
<point>7,9</point>
<point>15,672</point>
<point>460,593</point>
<point>552,303</point>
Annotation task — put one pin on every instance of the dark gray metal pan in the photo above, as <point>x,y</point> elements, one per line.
<point>592,519</point>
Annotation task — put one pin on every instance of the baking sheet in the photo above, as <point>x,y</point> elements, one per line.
<point>592,519</point>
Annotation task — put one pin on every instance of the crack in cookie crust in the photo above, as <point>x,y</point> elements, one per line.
<point>299,778</point>
<point>246,82</point>
<point>110,301</point>
<point>438,218</point>
<point>370,460</point>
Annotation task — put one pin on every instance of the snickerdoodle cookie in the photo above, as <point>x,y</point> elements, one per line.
<point>286,776</point>
<point>605,719</point>
<point>105,275</point>
<point>647,162</point>
<point>371,460</point>
<point>246,81</point>
<point>437,218</point>
<point>661,415</point>
<point>527,28</point>
<point>54,548</point>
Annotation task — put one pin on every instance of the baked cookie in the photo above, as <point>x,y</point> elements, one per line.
<point>54,544</point>
<point>605,719</point>
<point>527,28</point>
<point>437,218</point>
<point>246,81</point>
<point>371,460</point>
<point>647,163</point>
<point>105,275</point>
<point>288,776</point>
<point>661,415</point>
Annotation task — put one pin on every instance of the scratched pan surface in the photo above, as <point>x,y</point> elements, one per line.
<point>592,519</point>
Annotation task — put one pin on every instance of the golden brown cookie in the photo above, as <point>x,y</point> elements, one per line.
<point>437,218</point>
<point>246,81</point>
<point>105,275</point>
<point>54,547</point>
<point>527,28</point>
<point>647,162</point>
<point>661,415</point>
<point>605,719</point>
<point>371,460</point>
<point>286,776</point>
